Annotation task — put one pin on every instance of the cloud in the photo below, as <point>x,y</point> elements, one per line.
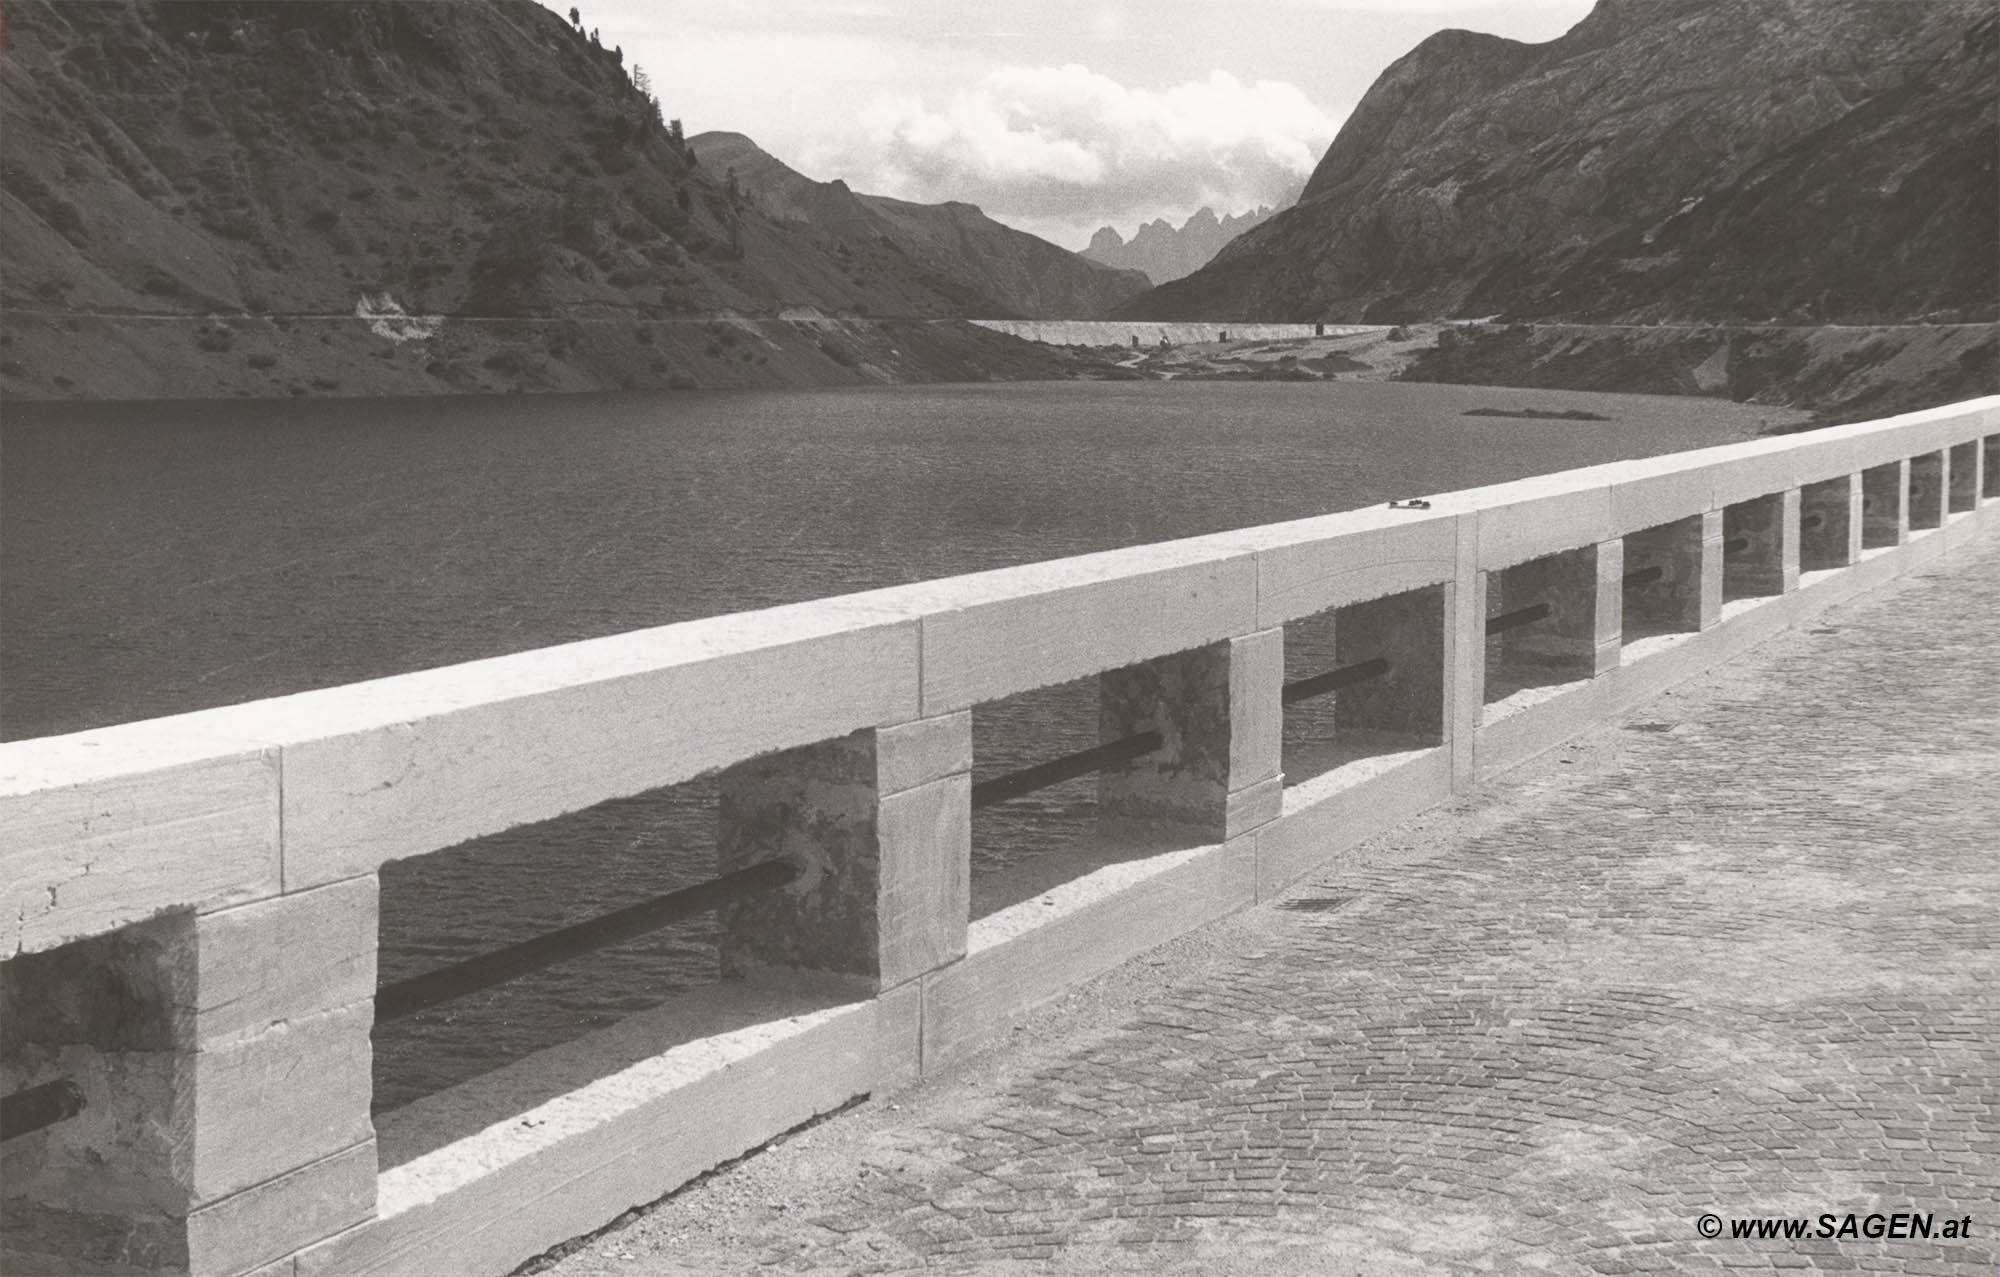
<point>1572,9</point>
<point>1062,150</point>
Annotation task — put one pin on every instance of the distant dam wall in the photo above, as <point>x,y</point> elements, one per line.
<point>1110,332</point>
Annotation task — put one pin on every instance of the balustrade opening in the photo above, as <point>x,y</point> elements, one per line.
<point>1363,680</point>
<point>1753,548</point>
<point>1541,625</point>
<point>1963,495</point>
<point>1882,506</point>
<point>1034,822</point>
<point>1927,493</point>
<point>487,956</point>
<point>1661,587</point>
<point>1826,525</point>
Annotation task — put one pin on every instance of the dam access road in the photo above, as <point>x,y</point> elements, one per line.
<point>1732,953</point>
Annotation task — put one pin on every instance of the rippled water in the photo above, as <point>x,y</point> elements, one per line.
<point>157,558</point>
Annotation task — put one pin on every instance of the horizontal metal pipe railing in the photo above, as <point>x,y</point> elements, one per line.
<point>1015,784</point>
<point>1028,780</point>
<point>1517,618</point>
<point>27,1111</point>
<point>446,984</point>
<point>1333,680</point>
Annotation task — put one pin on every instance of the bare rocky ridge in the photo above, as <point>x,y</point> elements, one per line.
<point>995,271</point>
<point>1839,374</point>
<point>1808,161</point>
<point>1165,252</point>
<point>378,197</point>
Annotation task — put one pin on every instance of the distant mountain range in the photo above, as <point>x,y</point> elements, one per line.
<point>1807,161</point>
<point>1166,253</point>
<point>381,197</point>
<point>990,270</point>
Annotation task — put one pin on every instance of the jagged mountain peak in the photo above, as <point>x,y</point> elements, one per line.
<point>1166,252</point>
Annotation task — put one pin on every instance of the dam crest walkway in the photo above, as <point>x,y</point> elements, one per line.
<point>1732,953</point>
<point>1505,956</point>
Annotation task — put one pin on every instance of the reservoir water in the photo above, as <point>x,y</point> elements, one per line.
<point>158,558</point>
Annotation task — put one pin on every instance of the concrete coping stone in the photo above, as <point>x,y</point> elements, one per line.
<point>400,699</point>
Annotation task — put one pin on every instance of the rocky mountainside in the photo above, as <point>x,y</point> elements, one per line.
<point>1810,161</point>
<point>995,271</point>
<point>1165,252</point>
<point>376,196</point>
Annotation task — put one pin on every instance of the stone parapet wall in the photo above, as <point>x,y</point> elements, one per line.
<point>211,876</point>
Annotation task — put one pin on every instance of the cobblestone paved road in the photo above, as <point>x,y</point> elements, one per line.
<point>1733,954</point>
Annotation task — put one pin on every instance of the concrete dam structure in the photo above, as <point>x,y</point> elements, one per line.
<point>192,916</point>
<point>1149,334</point>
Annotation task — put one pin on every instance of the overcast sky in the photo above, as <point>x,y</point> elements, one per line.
<point>1056,116</point>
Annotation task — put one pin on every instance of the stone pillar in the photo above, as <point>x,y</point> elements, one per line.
<point>1885,508</point>
<point>1856,514</point>
<point>1666,601</point>
<point>1711,568</point>
<point>224,1060</point>
<point>1609,631</point>
<point>1760,546</point>
<point>1407,630</point>
<point>1788,534</point>
<point>1962,483</point>
<point>880,824</point>
<point>1827,527</point>
<point>1926,509</point>
<point>1465,651</point>
<point>1219,711</point>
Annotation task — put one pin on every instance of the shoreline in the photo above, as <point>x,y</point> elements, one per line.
<point>1837,373</point>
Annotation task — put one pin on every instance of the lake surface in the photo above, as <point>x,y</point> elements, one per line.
<point>159,558</point>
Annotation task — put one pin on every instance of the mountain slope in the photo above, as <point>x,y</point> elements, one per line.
<point>996,271</point>
<point>242,197</point>
<point>1808,160</point>
<point>1164,252</point>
